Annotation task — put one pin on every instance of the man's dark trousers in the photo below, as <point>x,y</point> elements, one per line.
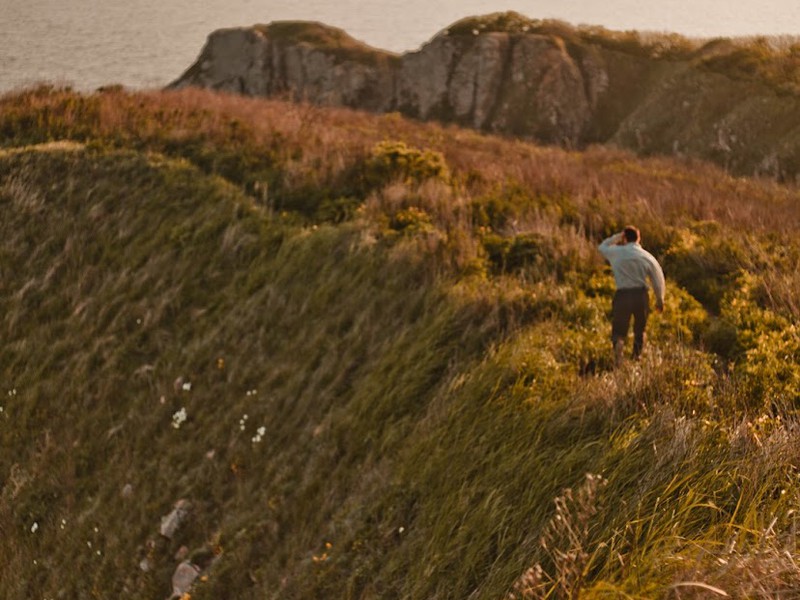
<point>627,303</point>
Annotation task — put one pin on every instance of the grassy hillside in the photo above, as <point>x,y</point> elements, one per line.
<point>373,356</point>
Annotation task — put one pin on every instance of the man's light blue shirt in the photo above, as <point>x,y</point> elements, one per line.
<point>632,266</point>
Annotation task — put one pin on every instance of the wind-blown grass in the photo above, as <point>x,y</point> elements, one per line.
<point>398,398</point>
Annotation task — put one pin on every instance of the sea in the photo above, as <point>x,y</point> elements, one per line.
<point>145,44</point>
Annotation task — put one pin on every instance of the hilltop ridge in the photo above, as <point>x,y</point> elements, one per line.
<point>732,102</point>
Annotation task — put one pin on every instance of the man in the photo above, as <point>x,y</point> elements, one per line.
<point>632,266</point>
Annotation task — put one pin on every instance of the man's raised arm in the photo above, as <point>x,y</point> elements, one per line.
<point>608,245</point>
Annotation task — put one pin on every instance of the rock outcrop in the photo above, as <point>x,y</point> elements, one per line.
<point>520,83</point>
<point>507,74</point>
<point>305,61</point>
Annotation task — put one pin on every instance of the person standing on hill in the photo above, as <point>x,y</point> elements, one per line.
<point>632,266</point>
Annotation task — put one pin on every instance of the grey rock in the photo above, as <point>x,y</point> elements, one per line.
<point>476,78</point>
<point>183,578</point>
<point>171,522</point>
<point>249,61</point>
<point>234,60</point>
<point>544,95</point>
<point>126,491</point>
<point>422,80</point>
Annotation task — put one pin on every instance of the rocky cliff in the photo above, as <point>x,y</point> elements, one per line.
<point>538,80</point>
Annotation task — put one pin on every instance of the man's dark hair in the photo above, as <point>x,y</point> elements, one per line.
<point>631,234</point>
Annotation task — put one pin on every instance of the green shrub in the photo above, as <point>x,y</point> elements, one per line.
<point>722,338</point>
<point>759,60</point>
<point>497,209</point>
<point>390,162</point>
<point>503,22</point>
<point>338,210</point>
<point>705,259</point>
<point>555,255</point>
<point>684,319</point>
<point>509,254</point>
<point>411,220</point>
<point>772,367</point>
<point>767,345</point>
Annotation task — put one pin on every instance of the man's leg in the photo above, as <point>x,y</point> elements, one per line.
<point>620,321</point>
<point>641,309</point>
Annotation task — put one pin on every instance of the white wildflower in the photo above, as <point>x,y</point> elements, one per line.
<point>34,527</point>
<point>178,418</point>
<point>187,387</point>
<point>259,435</point>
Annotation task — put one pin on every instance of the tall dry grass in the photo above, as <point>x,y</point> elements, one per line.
<point>425,407</point>
<point>319,143</point>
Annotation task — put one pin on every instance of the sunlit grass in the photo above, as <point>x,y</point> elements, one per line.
<point>399,396</point>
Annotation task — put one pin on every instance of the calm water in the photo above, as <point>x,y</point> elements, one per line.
<point>147,43</point>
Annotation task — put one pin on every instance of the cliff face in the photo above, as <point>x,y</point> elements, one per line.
<point>259,61</point>
<point>547,86</point>
<point>526,85</point>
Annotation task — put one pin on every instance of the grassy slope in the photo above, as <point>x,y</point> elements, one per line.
<point>431,372</point>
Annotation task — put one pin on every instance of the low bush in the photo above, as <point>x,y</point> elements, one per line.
<point>392,162</point>
<point>706,260</point>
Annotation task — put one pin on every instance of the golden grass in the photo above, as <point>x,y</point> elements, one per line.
<point>428,413</point>
<point>309,137</point>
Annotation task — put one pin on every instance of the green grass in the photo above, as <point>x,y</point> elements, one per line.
<point>430,365</point>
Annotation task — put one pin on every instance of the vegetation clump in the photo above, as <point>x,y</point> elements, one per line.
<point>395,161</point>
<point>775,62</point>
<point>333,40</point>
<point>651,45</point>
<point>502,22</point>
